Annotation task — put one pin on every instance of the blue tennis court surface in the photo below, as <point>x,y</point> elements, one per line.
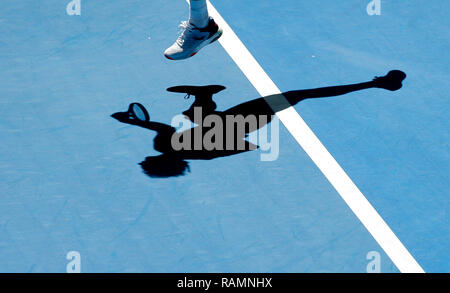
<point>70,179</point>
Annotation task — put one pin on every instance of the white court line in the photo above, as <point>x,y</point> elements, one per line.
<point>360,206</point>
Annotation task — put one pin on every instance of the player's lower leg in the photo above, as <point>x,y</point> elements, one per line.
<point>198,13</point>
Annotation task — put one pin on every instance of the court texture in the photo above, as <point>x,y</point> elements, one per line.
<point>360,181</point>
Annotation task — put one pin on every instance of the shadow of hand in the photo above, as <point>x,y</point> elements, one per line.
<point>122,117</point>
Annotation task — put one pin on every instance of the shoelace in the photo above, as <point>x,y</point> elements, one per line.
<point>185,28</point>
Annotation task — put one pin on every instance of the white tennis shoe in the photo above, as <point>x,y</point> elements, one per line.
<point>192,39</point>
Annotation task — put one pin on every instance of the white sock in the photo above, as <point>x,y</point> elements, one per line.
<point>198,14</point>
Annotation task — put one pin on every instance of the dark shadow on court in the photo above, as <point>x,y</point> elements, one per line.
<point>173,160</point>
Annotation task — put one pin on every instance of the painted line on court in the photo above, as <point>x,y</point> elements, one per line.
<point>306,138</point>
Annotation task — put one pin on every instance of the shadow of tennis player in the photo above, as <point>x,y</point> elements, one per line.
<point>177,147</point>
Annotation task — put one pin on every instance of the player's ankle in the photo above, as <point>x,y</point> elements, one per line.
<point>199,24</point>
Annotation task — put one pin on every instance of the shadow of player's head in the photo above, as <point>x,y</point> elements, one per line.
<point>164,166</point>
